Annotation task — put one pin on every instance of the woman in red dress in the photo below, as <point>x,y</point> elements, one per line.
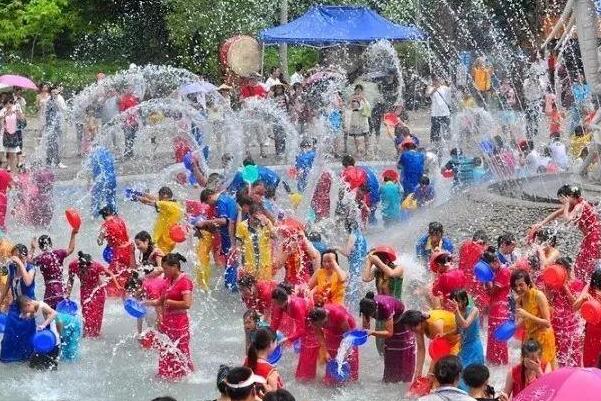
<point>175,360</point>
<point>263,344</point>
<point>256,294</point>
<point>114,231</point>
<point>577,210</point>
<point>297,309</point>
<point>564,321</point>
<point>498,294</point>
<point>592,331</point>
<point>300,257</point>
<point>331,322</point>
<point>92,292</point>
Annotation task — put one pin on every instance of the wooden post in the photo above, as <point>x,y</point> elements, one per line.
<point>283,47</point>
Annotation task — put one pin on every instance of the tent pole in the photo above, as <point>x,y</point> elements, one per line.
<point>262,57</point>
<point>429,57</point>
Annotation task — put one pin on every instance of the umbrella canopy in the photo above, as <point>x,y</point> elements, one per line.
<point>18,81</point>
<point>197,87</point>
<point>565,384</point>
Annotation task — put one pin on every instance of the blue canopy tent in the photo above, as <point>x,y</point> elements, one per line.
<point>324,26</point>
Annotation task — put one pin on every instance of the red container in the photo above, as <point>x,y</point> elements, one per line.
<point>554,276</point>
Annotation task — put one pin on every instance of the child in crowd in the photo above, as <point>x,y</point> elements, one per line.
<point>357,123</point>
<point>462,167</point>
<point>476,376</point>
<point>424,193</point>
<point>579,140</point>
<point>559,154</point>
<point>401,133</point>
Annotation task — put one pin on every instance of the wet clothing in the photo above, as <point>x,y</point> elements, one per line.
<point>424,248</point>
<point>92,295</point>
<point>471,344</point>
<point>256,249</point>
<point>411,166</point>
<point>50,263</point>
<point>356,258</point>
<point>170,213</point>
<point>338,321</point>
<point>329,288</point>
<point>449,328</point>
<point>391,195</point>
<point>117,238</point>
<point>496,351</point>
<point>592,340</point>
<point>544,336</point>
<point>590,247</point>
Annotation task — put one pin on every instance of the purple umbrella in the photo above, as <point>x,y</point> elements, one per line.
<point>18,81</point>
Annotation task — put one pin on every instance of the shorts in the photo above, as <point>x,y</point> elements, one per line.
<point>12,142</point>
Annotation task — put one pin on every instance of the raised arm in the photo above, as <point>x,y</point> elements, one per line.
<point>368,271</point>
<point>28,276</point>
<point>71,245</point>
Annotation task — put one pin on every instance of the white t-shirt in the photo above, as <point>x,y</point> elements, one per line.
<point>441,98</point>
<point>559,154</point>
<point>270,82</point>
<point>296,78</point>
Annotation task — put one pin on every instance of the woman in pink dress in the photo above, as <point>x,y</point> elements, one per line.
<point>114,232</point>
<point>6,182</point>
<point>50,263</point>
<point>297,309</point>
<point>92,292</point>
<point>580,212</point>
<point>564,321</point>
<point>175,359</point>
<point>330,323</point>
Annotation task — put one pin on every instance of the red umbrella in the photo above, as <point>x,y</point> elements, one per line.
<point>18,81</point>
<point>565,384</point>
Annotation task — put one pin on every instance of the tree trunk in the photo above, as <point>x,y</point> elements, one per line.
<point>283,48</point>
<point>586,27</point>
<point>33,46</point>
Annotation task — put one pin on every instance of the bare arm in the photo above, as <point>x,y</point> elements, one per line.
<point>387,332</point>
<point>341,273</point>
<point>4,291</point>
<point>584,296</point>
<point>368,272</point>
<point>384,268</point>
<point>469,319</point>
<point>49,314</point>
<point>313,281</point>
<point>420,355</point>
<point>186,303</point>
<point>71,245</point>
<point>28,276</point>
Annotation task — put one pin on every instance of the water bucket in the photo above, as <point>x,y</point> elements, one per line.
<point>554,276</point>
<point>591,311</point>
<point>386,251</point>
<point>44,341</point>
<point>275,355</point>
<point>505,331</point>
<point>73,218</point>
<point>67,306</point>
<point>339,375</point>
<point>438,348</point>
<point>483,272</point>
<point>359,336</point>
<point>134,307</point>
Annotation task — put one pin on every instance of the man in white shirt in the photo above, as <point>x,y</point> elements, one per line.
<point>274,77</point>
<point>558,150</point>
<point>298,76</point>
<point>440,94</point>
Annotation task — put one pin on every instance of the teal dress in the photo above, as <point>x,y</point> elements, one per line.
<point>356,260</point>
<point>70,336</point>
<point>471,345</point>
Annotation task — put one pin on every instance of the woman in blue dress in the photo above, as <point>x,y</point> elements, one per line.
<point>18,333</point>
<point>468,323</point>
<point>356,251</point>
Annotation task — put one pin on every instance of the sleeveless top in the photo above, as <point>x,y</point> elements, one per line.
<point>449,325</point>
<point>391,286</point>
<point>264,369</point>
<point>472,332</point>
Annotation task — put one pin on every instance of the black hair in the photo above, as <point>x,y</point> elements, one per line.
<point>520,275</point>
<point>107,211</point>
<point>347,161</point>
<point>368,306</point>
<point>260,342</point>
<point>475,375</point>
<point>480,235</point>
<point>460,295</point>
<point>565,262</point>
<point>456,152</point>
<point>596,279</point>
<point>252,314</point>
<point>248,162</point>
<point>254,208</point>
<point>246,280</point>
<point>165,398</point>
<point>84,260</point>
<point>221,375</point>
<point>547,235</point>
<point>477,161</point>
<point>435,228</point>
<point>281,292</point>
<point>173,259</point>
<point>505,239</point>
<point>412,318</point>
<point>529,346</point>
<point>489,255</point>
<point>166,191</point>
<point>206,194</point>
<point>243,198</point>
<point>279,395</point>
<point>447,370</point>
<point>235,376</point>
<point>317,314</point>
<point>314,236</point>
<point>358,86</point>
<point>569,191</point>
<point>578,130</point>
<point>424,180</point>
<point>327,251</point>
<point>45,242</point>
<point>20,249</point>
<point>146,237</point>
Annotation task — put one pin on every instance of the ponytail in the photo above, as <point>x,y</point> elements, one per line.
<point>412,318</point>
<point>281,292</point>
<point>262,340</point>
<point>368,306</point>
<point>174,259</point>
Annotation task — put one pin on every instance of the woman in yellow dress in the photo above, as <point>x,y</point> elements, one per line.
<point>432,324</point>
<point>256,236</point>
<point>170,213</point>
<point>534,313</point>
<point>328,282</point>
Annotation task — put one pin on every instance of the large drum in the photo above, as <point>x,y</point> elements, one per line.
<point>241,55</point>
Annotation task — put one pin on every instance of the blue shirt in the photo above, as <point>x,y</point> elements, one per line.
<point>391,195</point>
<point>226,207</point>
<point>17,284</point>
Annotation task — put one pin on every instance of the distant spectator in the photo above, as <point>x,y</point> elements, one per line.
<point>447,372</point>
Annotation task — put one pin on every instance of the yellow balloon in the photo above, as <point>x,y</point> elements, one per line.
<point>295,199</point>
